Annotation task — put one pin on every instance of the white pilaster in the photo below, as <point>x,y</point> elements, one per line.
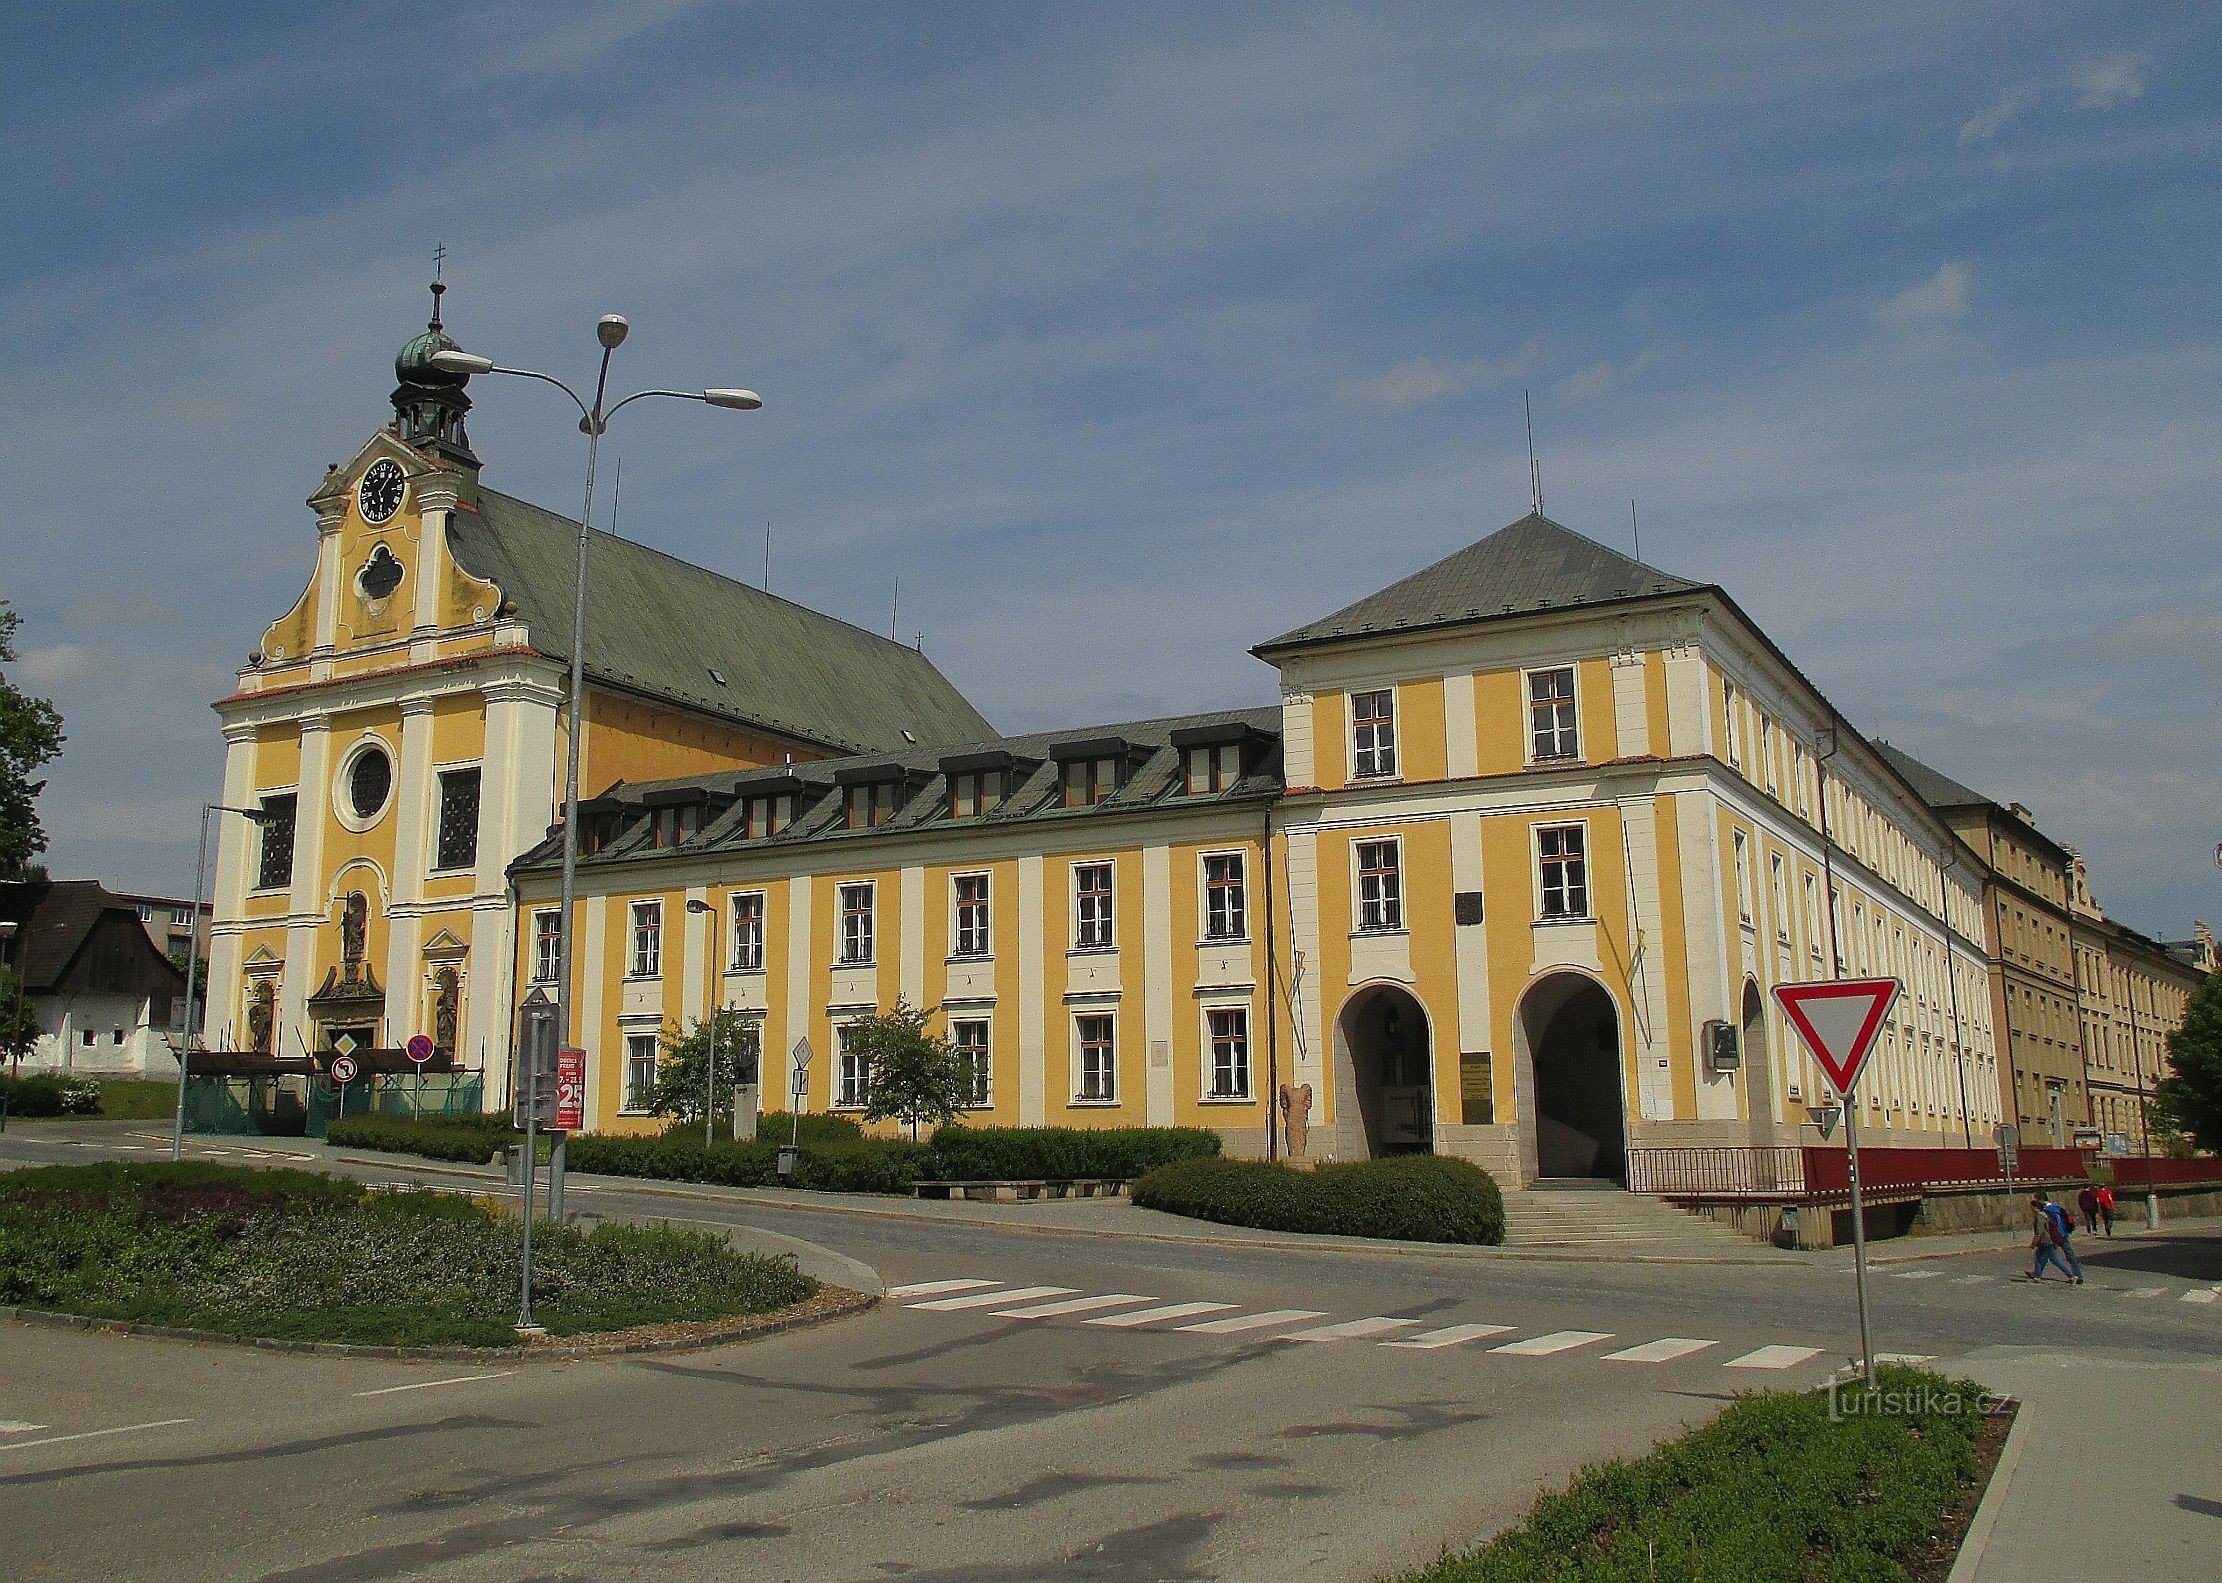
<point>1296,737</point>
<point>412,816</point>
<point>1631,720</point>
<point>1461,739</point>
<point>1157,983</point>
<point>236,841</point>
<point>910,981</point>
<point>1471,944</point>
<point>1305,930</point>
<point>798,891</point>
<point>309,879</point>
<point>1033,1040</point>
<point>695,994</point>
<point>602,1057</point>
<point>1639,827</point>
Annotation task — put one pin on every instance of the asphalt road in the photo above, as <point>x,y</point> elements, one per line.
<point>1024,1404</point>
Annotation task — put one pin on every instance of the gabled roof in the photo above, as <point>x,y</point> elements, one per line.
<point>657,625</point>
<point>1937,789</point>
<point>1154,779</point>
<point>58,917</point>
<point>1533,564</point>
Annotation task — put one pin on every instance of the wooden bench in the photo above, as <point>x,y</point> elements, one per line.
<point>1017,1192</point>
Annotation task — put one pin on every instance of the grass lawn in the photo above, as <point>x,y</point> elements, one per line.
<point>297,1256</point>
<point>1776,1488</point>
<point>137,1099</point>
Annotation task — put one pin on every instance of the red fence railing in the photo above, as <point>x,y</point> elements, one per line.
<point>1897,1171</point>
<point>2137,1171</point>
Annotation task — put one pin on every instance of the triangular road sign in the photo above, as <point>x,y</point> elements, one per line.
<point>1838,1021</point>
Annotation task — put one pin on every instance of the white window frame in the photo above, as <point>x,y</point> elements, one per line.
<point>1080,1048</point>
<point>1586,912</point>
<point>739,961</point>
<point>1389,904</point>
<point>983,950</point>
<point>1778,889</point>
<point>1208,894</point>
<point>633,1099</point>
<point>547,964</point>
<point>1085,926</point>
<point>981,1057</point>
<point>1374,759</point>
<point>1741,845</point>
<point>852,1073</point>
<point>1571,733</point>
<point>1732,725</point>
<point>645,920</point>
<point>848,939</point>
<point>1209,1067</point>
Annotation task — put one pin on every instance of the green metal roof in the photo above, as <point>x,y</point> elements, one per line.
<point>1534,564</point>
<point>661,626</point>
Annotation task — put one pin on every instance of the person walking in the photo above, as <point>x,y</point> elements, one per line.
<point>2106,1207</point>
<point>2050,1228</point>
<point>2088,1202</point>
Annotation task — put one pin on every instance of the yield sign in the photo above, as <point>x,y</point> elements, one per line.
<point>1838,1021</point>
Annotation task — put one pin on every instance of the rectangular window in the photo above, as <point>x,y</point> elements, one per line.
<point>1380,886</point>
<point>972,915</point>
<point>1551,733</point>
<point>1767,750</point>
<point>1565,870</point>
<point>274,864</point>
<point>648,939</point>
<point>856,924</point>
<point>870,805</point>
<point>1743,876</point>
<point>1731,723</point>
<point>89,1037</point>
<point>763,816</point>
<point>1211,769</point>
<point>969,1039</point>
<point>748,931</point>
<point>1226,907</point>
<point>1373,733</point>
<point>640,1070</point>
<point>974,792</point>
<point>547,946</point>
<point>853,1086</point>
<point>1812,915</point>
<point>1091,890</point>
<point>1089,781</point>
<point>458,843</point>
<point>1775,895</point>
<point>1099,1074</point>
<point>1230,1053</point>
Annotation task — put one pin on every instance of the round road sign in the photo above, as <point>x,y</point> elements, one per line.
<point>420,1049</point>
<point>343,1069</point>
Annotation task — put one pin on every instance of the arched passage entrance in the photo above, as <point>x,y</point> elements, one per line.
<point>1386,1051</point>
<point>1757,1064</point>
<point>1572,1033</point>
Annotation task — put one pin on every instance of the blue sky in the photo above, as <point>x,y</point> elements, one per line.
<point>1129,336</point>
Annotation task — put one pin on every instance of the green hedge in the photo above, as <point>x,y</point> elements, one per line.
<point>1772,1491</point>
<point>865,1166</point>
<point>432,1138</point>
<point>1006,1154</point>
<point>46,1094</point>
<point>1412,1197</point>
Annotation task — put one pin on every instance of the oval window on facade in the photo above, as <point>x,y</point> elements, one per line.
<point>369,780</point>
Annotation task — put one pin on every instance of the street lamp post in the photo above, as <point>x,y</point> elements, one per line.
<point>193,962</point>
<point>593,423</point>
<point>710,959</point>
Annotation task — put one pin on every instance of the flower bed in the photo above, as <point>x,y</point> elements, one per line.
<point>1412,1197</point>
<point>294,1256</point>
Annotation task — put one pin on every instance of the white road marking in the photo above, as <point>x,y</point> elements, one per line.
<point>92,1434</point>
<point>1072,1305</point>
<point>1909,1359</point>
<point>1773,1358</point>
<point>1556,1341</point>
<point>1915,1275</point>
<point>16,1426</point>
<point>1272,1316</point>
<point>1448,1336</point>
<point>2203,1295</point>
<point>928,1288</point>
<point>1017,1294</point>
<point>1350,1329</point>
<point>2144,1291</point>
<point>1144,1316</point>
<point>1664,1350</point>
<point>426,1385</point>
<point>1973,1280</point>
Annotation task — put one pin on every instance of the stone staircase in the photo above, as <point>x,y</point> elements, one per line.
<point>1602,1216</point>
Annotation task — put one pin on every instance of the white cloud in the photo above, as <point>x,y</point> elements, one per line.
<point>1603,375</point>
<point>1986,124</point>
<point>54,665</point>
<point>1430,379</point>
<point>1943,295</point>
<point>2109,80</point>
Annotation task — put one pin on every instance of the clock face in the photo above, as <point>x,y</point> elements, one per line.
<point>380,490</point>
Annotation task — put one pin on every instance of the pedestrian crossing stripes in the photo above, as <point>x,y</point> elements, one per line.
<point>1147,1316</point>
<point>1449,1336</point>
<point>2205,1295</point>
<point>1350,1330</point>
<point>1071,1305</point>
<point>1240,1322</point>
<point>1773,1358</point>
<point>1664,1350</point>
<point>928,1288</point>
<point>1019,1294</point>
<point>1556,1341</point>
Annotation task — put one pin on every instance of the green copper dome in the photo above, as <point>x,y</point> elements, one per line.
<point>414,364</point>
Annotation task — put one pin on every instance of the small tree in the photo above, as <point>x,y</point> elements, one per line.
<point>2189,1099</point>
<point>19,1020</point>
<point>683,1073</point>
<point>915,1076</point>
<point>30,735</point>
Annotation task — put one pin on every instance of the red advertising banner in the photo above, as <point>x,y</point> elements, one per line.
<point>570,1105</point>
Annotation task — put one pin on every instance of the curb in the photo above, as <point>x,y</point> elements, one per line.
<point>844,1303</point>
<point>1988,1510</point>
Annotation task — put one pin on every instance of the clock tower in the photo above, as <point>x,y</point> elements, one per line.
<point>430,403</point>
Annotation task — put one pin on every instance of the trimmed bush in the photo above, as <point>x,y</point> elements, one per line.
<point>1024,1154</point>
<point>1411,1197</point>
<point>46,1094</point>
<point>1772,1491</point>
<point>777,1126</point>
<point>431,1138</point>
<point>874,1165</point>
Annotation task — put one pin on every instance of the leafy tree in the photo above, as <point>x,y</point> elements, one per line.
<point>19,1028</point>
<point>30,735</point>
<point>2189,1099</point>
<point>682,1067</point>
<point>914,1075</point>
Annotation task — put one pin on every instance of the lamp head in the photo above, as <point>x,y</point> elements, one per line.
<point>737,400</point>
<point>611,331</point>
<point>454,361</point>
<point>696,904</point>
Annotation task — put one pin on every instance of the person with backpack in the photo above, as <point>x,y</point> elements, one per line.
<point>2088,1202</point>
<point>2106,1207</point>
<point>2050,1228</point>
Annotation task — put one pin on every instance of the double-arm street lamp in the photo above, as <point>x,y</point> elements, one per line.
<point>593,423</point>
<point>209,811</point>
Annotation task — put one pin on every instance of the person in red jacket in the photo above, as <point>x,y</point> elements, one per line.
<point>2106,1207</point>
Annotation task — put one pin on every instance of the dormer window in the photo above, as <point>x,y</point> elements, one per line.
<point>1090,771</point>
<point>871,794</point>
<point>1210,769</point>
<point>974,792</point>
<point>765,816</point>
<point>676,815</point>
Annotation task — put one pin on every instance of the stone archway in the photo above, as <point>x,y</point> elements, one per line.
<point>1571,1029</point>
<point>1389,1058</point>
<point>1757,1064</point>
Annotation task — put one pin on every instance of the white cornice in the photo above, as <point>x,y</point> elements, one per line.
<point>528,677</point>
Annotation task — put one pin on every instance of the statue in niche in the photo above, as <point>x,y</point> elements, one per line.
<point>1296,1117</point>
<point>354,922</point>
<point>446,991</point>
<point>262,1009</point>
